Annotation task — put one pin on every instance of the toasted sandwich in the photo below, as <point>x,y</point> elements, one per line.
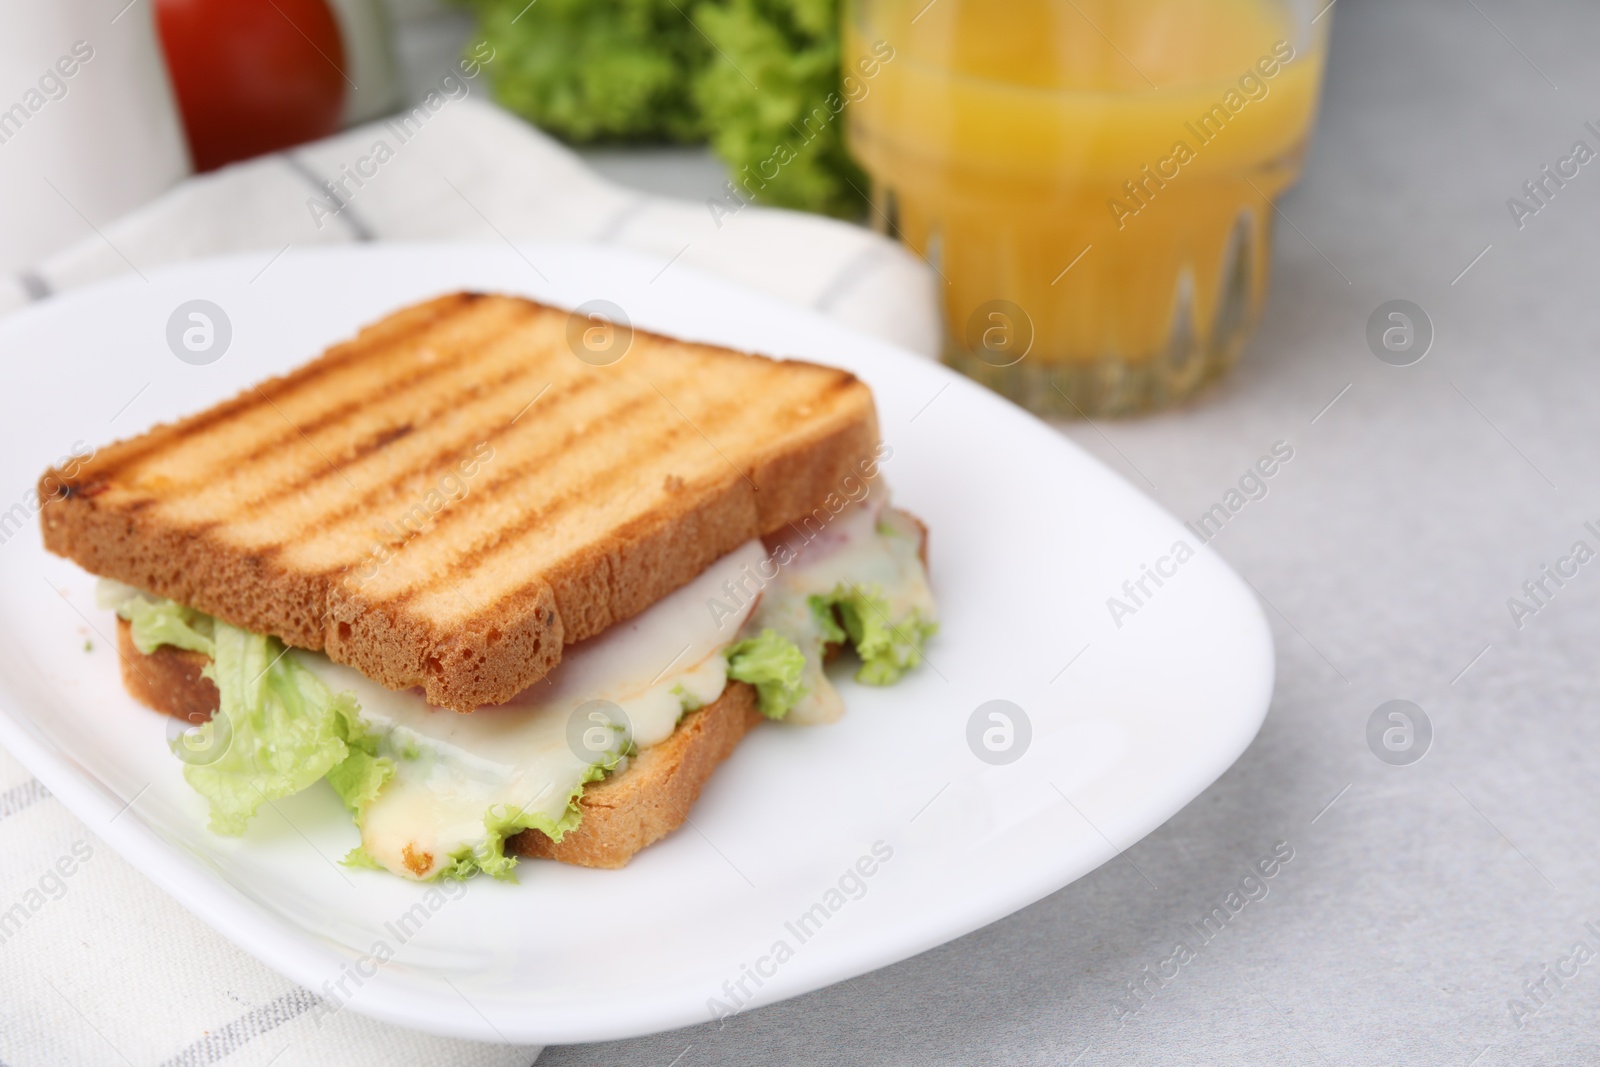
<point>499,594</point>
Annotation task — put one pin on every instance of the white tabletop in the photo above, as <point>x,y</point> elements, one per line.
<point>1420,898</point>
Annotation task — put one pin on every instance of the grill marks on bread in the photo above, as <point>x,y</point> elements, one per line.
<point>331,506</point>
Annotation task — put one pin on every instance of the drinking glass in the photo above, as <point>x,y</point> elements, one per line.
<point>1093,180</point>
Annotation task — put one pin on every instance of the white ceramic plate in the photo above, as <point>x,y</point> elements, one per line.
<point>1030,536</point>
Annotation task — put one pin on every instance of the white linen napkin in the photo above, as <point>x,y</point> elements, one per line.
<point>466,170</point>
<point>98,965</point>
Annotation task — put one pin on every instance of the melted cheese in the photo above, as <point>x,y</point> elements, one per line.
<point>534,753</point>
<point>870,546</point>
<point>616,693</point>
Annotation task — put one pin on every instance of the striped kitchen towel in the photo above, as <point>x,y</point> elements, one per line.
<point>467,170</point>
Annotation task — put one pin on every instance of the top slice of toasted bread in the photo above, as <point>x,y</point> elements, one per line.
<point>452,496</point>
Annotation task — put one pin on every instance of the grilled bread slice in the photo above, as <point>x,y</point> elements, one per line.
<point>622,813</point>
<point>451,497</point>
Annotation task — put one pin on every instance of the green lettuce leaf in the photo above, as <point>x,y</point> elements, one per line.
<point>279,726</point>
<point>764,93</point>
<point>285,728</point>
<point>774,665</point>
<point>361,774</point>
<point>164,622</point>
<point>827,620</point>
<point>501,822</point>
<point>888,647</point>
<point>357,857</point>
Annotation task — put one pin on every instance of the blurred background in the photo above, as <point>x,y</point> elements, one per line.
<point>1135,145</point>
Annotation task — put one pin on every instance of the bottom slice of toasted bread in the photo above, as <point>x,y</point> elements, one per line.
<point>167,679</point>
<point>622,813</point>
<point>652,796</point>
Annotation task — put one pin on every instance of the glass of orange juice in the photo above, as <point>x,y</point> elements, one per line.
<point>1092,179</point>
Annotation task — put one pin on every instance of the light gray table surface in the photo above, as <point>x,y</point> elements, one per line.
<point>1420,898</point>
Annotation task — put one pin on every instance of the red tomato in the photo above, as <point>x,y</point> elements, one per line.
<point>252,76</point>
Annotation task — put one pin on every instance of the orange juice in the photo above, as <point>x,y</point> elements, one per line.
<point>1093,179</point>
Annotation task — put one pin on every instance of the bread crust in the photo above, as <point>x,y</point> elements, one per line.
<point>622,814</point>
<point>651,798</point>
<point>621,485</point>
<point>167,680</point>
